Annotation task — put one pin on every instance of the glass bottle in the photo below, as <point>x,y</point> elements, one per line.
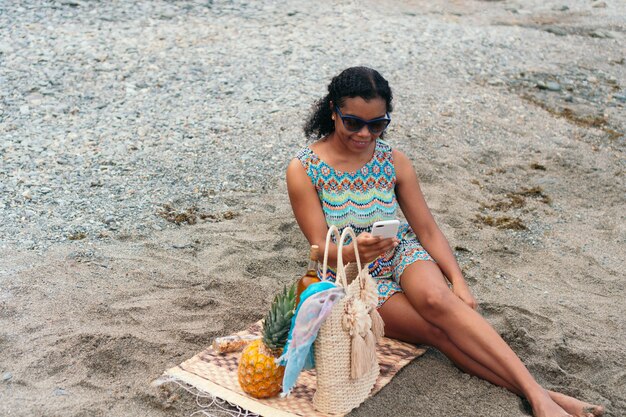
<point>311,274</point>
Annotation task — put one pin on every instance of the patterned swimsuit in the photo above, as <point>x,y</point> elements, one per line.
<point>360,198</point>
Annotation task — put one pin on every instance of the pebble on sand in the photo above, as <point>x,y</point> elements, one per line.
<point>550,85</point>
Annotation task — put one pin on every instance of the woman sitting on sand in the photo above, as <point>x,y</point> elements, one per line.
<point>350,177</point>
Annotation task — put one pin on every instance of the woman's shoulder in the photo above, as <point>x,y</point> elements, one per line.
<point>308,159</point>
<point>396,157</point>
<point>383,148</point>
<point>309,154</point>
<point>304,153</point>
<point>384,151</point>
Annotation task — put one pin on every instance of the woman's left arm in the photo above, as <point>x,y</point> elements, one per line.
<point>422,222</point>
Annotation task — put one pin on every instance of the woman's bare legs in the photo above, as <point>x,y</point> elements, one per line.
<point>404,321</point>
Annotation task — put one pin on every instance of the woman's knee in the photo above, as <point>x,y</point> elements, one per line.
<point>431,299</point>
<point>435,300</point>
<point>402,321</point>
<point>426,288</point>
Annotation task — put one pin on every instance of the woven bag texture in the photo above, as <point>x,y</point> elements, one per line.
<point>336,391</point>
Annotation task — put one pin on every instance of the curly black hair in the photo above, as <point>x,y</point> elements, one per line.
<point>363,82</point>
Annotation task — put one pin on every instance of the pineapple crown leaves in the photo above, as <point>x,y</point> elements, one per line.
<point>277,323</point>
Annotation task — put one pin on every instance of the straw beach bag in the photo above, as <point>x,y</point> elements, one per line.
<point>345,348</point>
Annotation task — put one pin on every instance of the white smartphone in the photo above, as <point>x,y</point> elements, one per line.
<point>386,228</point>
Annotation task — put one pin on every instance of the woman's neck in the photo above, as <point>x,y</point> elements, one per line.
<point>335,153</point>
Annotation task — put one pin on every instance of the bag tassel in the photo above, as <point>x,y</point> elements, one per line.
<point>370,341</point>
<point>378,325</point>
<point>363,355</point>
<point>360,360</point>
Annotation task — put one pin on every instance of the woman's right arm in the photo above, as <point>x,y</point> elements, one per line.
<point>306,204</point>
<point>307,209</point>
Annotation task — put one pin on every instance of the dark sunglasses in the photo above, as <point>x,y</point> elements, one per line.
<point>355,124</point>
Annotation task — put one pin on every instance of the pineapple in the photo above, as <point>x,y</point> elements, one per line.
<point>259,375</point>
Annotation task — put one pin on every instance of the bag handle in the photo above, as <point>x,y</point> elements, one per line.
<point>332,230</point>
<point>349,232</point>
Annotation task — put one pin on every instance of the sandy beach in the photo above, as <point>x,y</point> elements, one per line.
<point>144,212</point>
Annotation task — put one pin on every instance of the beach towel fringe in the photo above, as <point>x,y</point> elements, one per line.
<point>207,401</point>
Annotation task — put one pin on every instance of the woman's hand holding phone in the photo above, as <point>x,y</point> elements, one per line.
<point>371,247</point>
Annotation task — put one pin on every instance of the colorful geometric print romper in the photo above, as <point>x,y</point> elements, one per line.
<point>358,199</point>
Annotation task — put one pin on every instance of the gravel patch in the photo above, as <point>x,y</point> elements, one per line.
<point>112,111</point>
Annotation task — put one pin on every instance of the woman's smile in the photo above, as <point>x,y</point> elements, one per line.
<point>360,143</point>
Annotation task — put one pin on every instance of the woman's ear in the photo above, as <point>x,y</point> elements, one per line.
<point>332,110</point>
